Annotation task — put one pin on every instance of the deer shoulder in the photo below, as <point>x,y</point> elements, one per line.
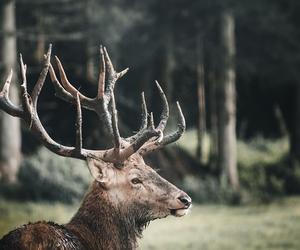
<point>41,235</point>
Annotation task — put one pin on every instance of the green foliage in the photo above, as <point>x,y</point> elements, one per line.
<point>208,190</point>
<point>265,172</point>
<point>17,213</point>
<point>45,176</point>
<point>293,177</point>
<point>262,151</point>
<point>263,167</point>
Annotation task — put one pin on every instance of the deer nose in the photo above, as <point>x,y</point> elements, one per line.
<point>185,200</point>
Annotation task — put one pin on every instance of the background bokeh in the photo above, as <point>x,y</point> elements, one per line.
<point>233,66</point>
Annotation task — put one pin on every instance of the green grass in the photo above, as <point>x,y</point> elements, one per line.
<point>255,151</point>
<point>275,226</point>
<point>14,214</point>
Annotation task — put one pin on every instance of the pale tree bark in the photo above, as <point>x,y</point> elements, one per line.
<point>227,104</point>
<point>167,69</point>
<point>295,131</point>
<point>41,41</point>
<point>10,132</point>
<point>90,47</point>
<point>90,62</point>
<point>201,123</point>
<point>168,63</point>
<point>213,118</point>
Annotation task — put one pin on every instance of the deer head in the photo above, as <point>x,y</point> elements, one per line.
<point>119,172</point>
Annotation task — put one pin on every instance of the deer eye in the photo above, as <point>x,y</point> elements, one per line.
<point>136,181</point>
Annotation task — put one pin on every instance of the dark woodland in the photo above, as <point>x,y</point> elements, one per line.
<point>234,67</point>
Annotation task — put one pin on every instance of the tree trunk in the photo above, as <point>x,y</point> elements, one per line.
<point>168,62</point>
<point>90,69</point>
<point>167,70</point>
<point>295,131</point>
<point>41,48</point>
<point>10,133</point>
<point>90,62</point>
<point>201,128</point>
<point>227,105</point>
<point>213,118</point>
<point>41,41</point>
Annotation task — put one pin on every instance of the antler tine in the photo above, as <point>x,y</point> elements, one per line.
<point>172,137</point>
<point>142,137</point>
<point>165,112</point>
<point>113,76</point>
<point>159,129</point>
<point>40,82</point>
<point>5,102</point>
<point>181,126</point>
<point>139,142</point>
<point>144,113</point>
<point>110,66</point>
<point>25,97</point>
<point>23,72</point>
<point>148,130</point>
<point>163,117</point>
<point>65,82</point>
<point>78,125</point>
<point>101,81</point>
<point>122,73</point>
<point>59,90</point>
<point>151,121</point>
<point>62,90</point>
<point>115,128</point>
<point>144,123</point>
<point>6,85</point>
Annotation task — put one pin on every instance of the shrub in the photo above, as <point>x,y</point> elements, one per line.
<point>209,190</point>
<point>265,172</point>
<point>45,176</point>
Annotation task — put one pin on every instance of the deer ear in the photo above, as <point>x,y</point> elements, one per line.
<point>99,170</point>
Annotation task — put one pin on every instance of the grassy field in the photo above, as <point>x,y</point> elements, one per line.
<point>274,226</point>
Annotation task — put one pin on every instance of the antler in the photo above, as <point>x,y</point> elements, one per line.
<point>146,140</point>
<point>165,139</point>
<point>28,110</point>
<point>105,107</point>
<point>169,138</point>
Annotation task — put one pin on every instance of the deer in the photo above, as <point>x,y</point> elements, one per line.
<point>126,194</point>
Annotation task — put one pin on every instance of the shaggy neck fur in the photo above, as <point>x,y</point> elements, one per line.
<point>100,224</point>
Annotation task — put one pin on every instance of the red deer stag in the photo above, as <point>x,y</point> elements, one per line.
<point>126,193</point>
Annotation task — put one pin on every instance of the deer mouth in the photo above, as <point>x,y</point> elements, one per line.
<point>179,212</point>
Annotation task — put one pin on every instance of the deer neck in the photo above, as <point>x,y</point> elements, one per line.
<point>101,224</point>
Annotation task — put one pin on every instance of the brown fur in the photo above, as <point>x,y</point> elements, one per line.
<point>112,215</point>
<point>96,225</point>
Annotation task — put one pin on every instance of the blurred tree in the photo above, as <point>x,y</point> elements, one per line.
<point>227,103</point>
<point>291,10</point>
<point>158,40</point>
<point>201,128</point>
<point>10,130</point>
